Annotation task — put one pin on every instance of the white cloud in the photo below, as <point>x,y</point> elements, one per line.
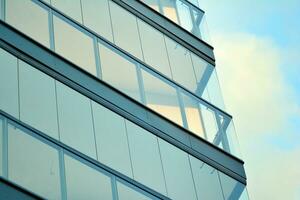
<point>261,103</point>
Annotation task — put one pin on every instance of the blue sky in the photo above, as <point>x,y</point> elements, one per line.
<point>257,48</point>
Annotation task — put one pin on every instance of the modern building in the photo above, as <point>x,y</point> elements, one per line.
<point>112,99</point>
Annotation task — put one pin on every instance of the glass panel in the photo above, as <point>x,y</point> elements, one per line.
<point>214,91</point>
<point>1,145</point>
<point>210,123</point>
<point>119,72</point>
<point>184,15</point>
<point>203,71</point>
<point>177,172</point>
<point>37,93</point>
<point>200,23</point>
<point>84,182</point>
<point>145,157</point>
<point>181,65</point>
<point>128,193</point>
<point>31,163</point>
<point>74,45</point>
<point>206,180</point>
<point>161,97</point>
<point>75,120</point>
<point>27,16</point>
<point>71,8</point>
<point>97,21</point>
<point>111,139</point>
<point>169,9</point>
<point>9,83</point>
<point>152,3</point>
<point>230,134</point>
<point>232,189</point>
<point>154,48</point>
<point>125,30</point>
<point>193,115</point>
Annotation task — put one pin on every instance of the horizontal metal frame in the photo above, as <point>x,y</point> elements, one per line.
<point>169,28</point>
<point>64,71</point>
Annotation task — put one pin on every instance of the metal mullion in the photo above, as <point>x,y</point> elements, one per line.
<point>114,188</point>
<point>2,10</point>
<point>5,148</point>
<point>141,84</point>
<point>63,182</point>
<point>51,30</point>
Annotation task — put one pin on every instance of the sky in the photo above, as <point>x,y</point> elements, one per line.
<point>257,50</point>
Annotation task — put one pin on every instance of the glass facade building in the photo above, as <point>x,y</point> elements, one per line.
<point>113,99</point>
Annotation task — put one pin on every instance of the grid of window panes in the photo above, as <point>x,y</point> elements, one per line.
<point>185,13</point>
<point>98,133</point>
<point>103,60</point>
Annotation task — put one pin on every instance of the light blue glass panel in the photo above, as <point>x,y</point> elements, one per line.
<point>206,179</point>
<point>111,139</point>
<point>169,10</point>
<point>152,3</point>
<point>1,146</point>
<point>74,45</point>
<point>71,8</point>
<point>9,83</point>
<point>119,72</point>
<point>161,97</point>
<point>154,49</point>
<point>232,189</point>
<point>193,115</point>
<point>84,182</point>
<point>29,18</point>
<point>210,123</point>
<point>125,30</point>
<point>145,157</point>
<point>214,91</point>
<point>33,164</point>
<point>181,65</point>
<point>127,193</point>
<point>96,20</point>
<point>185,16</point>
<point>75,120</point>
<point>38,100</point>
<point>177,172</point>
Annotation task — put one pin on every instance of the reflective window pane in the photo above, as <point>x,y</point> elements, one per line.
<point>9,83</point>
<point>27,16</point>
<point>145,157</point>
<point>95,20</point>
<point>232,189</point>
<point>193,115</point>
<point>125,30</point>
<point>177,172</point>
<point>161,97</point>
<point>31,163</point>
<point>214,91</point>
<point>1,145</point>
<point>154,48</point>
<point>119,72</point>
<point>127,193</point>
<point>37,93</point>
<point>74,45</point>
<point>111,139</point>
<point>71,8</point>
<point>169,10</point>
<point>75,120</point>
<point>181,65</point>
<point>210,123</point>
<point>185,16</point>
<point>152,3</point>
<point>84,182</point>
<point>206,180</point>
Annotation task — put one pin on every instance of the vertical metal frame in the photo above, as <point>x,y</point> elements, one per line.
<point>2,10</point>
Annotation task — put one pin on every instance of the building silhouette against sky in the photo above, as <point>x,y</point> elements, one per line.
<point>112,99</point>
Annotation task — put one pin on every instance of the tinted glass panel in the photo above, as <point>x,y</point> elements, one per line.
<point>75,120</point>
<point>32,163</point>
<point>185,16</point>
<point>154,48</point>
<point>84,182</point>
<point>145,156</point>
<point>214,91</point>
<point>161,97</point>
<point>111,139</point>
<point>38,100</point>
<point>125,30</point>
<point>74,45</point>
<point>177,172</point>
<point>232,189</point>
<point>127,193</point>
<point>27,16</point>
<point>210,123</point>
<point>193,115</point>
<point>181,65</point>
<point>206,180</point>
<point>152,3</point>
<point>9,84</point>
<point>95,20</point>
<point>169,9</point>
<point>69,7</point>
<point>119,72</point>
